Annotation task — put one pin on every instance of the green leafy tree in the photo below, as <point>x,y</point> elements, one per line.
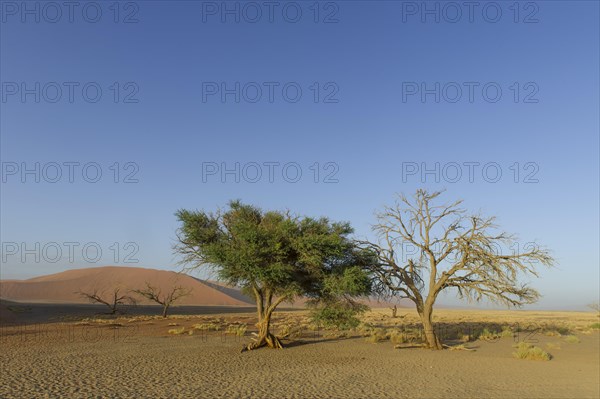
<point>336,305</point>
<point>275,257</point>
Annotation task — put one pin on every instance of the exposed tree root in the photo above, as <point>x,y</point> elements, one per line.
<point>269,340</point>
<point>458,348</point>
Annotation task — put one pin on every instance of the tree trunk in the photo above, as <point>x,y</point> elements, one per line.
<point>394,311</point>
<point>165,310</point>
<point>264,336</point>
<point>431,339</point>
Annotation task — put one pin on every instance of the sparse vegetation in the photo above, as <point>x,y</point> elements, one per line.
<point>274,256</point>
<point>114,301</point>
<point>487,335</point>
<point>572,339</point>
<point>165,300</point>
<point>530,352</point>
<point>339,315</point>
<point>377,335</point>
<point>454,250</point>
<point>207,327</point>
<point>397,337</point>
<point>237,329</point>
<point>177,331</point>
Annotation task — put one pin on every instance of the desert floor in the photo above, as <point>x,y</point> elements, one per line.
<point>198,356</point>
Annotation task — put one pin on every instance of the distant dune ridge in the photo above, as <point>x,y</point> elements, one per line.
<point>63,287</point>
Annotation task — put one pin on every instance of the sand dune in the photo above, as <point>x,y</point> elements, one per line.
<point>63,287</point>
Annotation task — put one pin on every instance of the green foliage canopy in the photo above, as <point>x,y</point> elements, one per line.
<point>275,252</point>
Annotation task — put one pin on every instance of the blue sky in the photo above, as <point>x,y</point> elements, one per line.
<point>365,131</point>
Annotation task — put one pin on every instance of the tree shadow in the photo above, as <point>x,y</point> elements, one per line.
<point>309,341</point>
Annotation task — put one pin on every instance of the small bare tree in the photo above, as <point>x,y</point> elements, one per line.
<point>113,302</point>
<point>453,250</point>
<point>165,300</point>
<point>595,306</point>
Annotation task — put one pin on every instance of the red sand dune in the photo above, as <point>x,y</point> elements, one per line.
<point>63,287</point>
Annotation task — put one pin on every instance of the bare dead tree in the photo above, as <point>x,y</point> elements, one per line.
<point>453,250</point>
<point>595,306</point>
<point>112,301</point>
<point>165,300</point>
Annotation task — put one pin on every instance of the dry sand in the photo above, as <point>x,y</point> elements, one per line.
<point>138,358</point>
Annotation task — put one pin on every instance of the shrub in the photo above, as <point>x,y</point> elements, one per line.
<point>397,338</point>
<point>572,339</point>
<point>554,330</point>
<point>237,329</point>
<point>376,336</point>
<point>530,352</point>
<point>506,332</point>
<point>207,327</point>
<point>487,335</point>
<point>595,326</point>
<point>283,330</point>
<point>365,329</point>
<point>177,331</point>
<point>339,315</point>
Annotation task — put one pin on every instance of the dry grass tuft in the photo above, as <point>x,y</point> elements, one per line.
<point>572,339</point>
<point>177,331</point>
<point>487,335</point>
<point>207,327</point>
<point>237,329</point>
<point>377,335</point>
<point>530,352</point>
<point>396,337</point>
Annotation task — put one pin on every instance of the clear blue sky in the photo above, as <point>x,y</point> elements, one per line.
<point>368,121</point>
